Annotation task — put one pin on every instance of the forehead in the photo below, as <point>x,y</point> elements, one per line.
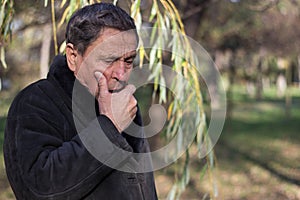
<point>114,42</point>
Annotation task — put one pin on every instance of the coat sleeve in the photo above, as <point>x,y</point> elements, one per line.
<point>54,168</point>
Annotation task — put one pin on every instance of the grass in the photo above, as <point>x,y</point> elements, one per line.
<point>257,156</point>
<point>258,153</point>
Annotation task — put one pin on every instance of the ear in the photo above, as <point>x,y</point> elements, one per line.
<point>72,56</point>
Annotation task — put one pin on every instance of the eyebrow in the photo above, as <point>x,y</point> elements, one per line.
<point>112,56</point>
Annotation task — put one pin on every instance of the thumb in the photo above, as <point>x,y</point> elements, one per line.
<point>102,83</point>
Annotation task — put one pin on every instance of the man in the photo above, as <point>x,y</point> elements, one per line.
<point>51,143</point>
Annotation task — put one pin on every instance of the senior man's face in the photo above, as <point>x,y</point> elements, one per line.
<point>112,54</point>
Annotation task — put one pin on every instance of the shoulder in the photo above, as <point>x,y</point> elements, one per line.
<point>35,97</point>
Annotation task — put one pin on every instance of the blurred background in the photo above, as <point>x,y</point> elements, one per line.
<point>256,47</point>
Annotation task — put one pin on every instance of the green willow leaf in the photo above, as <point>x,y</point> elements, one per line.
<point>2,57</point>
<point>153,13</point>
<point>2,12</point>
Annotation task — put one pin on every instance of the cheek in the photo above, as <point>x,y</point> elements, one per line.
<point>82,74</point>
<point>91,84</point>
<point>108,73</point>
<point>128,73</point>
<point>87,78</point>
<point>127,76</point>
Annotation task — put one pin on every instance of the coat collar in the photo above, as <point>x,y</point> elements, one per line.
<point>71,90</point>
<point>60,71</point>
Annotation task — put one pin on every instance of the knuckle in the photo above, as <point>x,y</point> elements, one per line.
<point>134,101</point>
<point>131,88</point>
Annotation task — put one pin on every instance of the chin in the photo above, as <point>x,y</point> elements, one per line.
<point>116,88</point>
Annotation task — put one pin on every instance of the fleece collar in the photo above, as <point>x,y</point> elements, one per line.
<point>60,71</point>
<point>64,79</point>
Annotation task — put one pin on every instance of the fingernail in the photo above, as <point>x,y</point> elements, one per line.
<point>98,75</point>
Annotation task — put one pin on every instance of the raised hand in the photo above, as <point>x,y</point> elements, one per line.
<point>119,107</point>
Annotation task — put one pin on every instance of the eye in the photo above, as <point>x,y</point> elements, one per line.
<point>109,60</point>
<point>129,61</point>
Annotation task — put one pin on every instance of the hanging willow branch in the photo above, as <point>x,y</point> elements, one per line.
<point>165,16</point>
<point>6,16</point>
<point>54,27</point>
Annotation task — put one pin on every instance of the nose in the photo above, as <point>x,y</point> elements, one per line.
<point>119,69</point>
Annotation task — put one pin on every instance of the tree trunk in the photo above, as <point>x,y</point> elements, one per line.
<point>192,17</point>
<point>231,77</point>
<point>288,97</point>
<point>259,82</point>
<point>281,85</point>
<point>45,51</point>
<point>298,74</point>
<point>213,86</point>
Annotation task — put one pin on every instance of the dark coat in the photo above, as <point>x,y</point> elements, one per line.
<point>44,156</point>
